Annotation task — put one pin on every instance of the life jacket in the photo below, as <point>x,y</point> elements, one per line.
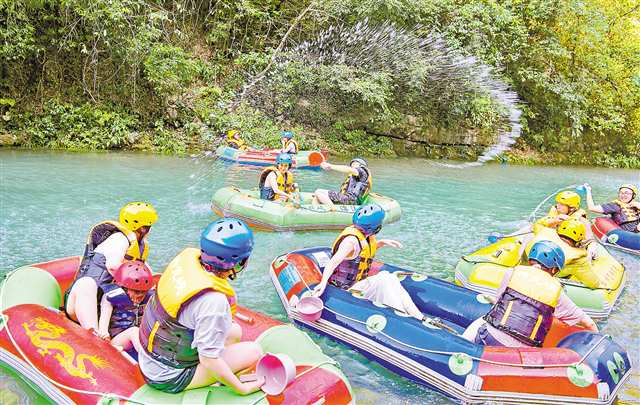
<point>98,234</point>
<point>236,143</point>
<point>161,334</point>
<point>553,213</point>
<point>576,262</point>
<point>125,313</point>
<point>284,180</point>
<point>351,271</point>
<point>290,142</point>
<point>357,187</point>
<point>627,213</point>
<point>525,309</point>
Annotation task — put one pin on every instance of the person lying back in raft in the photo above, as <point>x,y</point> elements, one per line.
<point>567,206</point>
<point>123,304</point>
<point>187,333</point>
<point>234,140</point>
<point>354,189</point>
<point>527,300</point>
<point>353,252</point>
<point>276,182</point>
<point>579,252</point>
<point>289,145</point>
<point>108,245</point>
<point>623,211</point>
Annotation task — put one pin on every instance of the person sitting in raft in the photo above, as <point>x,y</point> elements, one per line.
<point>289,145</point>
<point>354,189</point>
<point>187,333</point>
<point>123,304</point>
<point>567,207</point>
<point>234,140</point>
<point>623,211</point>
<point>578,252</point>
<point>108,245</point>
<point>276,182</point>
<point>527,300</point>
<point>352,254</point>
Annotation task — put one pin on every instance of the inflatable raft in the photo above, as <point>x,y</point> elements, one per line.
<point>610,234</point>
<point>69,365</point>
<point>483,270</point>
<point>573,367</point>
<point>275,216</point>
<point>301,160</point>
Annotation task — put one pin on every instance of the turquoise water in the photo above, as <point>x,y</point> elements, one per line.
<point>48,202</point>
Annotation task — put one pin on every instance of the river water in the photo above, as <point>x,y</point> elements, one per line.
<point>49,200</point>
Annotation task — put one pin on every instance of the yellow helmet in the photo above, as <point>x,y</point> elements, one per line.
<point>631,187</point>
<point>138,214</point>
<point>569,198</point>
<point>232,132</point>
<point>572,229</point>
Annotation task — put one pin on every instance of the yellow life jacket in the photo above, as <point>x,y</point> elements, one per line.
<point>351,271</point>
<point>101,231</point>
<point>525,309</point>
<point>357,188</point>
<point>629,212</point>
<point>549,219</point>
<point>576,262</point>
<point>291,142</point>
<point>185,277</point>
<point>284,180</point>
<point>237,143</point>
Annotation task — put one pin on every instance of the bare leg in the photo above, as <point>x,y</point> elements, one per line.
<point>82,304</point>
<point>235,334</point>
<point>238,356</point>
<point>127,339</point>
<point>323,198</point>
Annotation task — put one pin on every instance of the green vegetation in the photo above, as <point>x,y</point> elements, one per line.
<point>159,75</point>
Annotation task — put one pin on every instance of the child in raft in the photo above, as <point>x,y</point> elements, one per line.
<point>123,304</point>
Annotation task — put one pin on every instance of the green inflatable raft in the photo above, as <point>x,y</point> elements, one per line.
<point>276,216</point>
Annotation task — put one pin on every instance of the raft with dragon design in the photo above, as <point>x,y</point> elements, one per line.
<point>67,364</point>
<point>304,159</point>
<point>276,216</point>
<point>574,366</point>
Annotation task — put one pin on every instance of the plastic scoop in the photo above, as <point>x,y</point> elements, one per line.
<point>277,370</point>
<point>315,158</point>
<point>310,308</point>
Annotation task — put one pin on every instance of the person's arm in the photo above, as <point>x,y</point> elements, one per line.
<point>388,242</point>
<point>568,312</point>
<point>106,309</point>
<point>220,369</point>
<point>347,246</point>
<point>273,183</point>
<point>588,323</point>
<point>339,168</point>
<point>590,204</point>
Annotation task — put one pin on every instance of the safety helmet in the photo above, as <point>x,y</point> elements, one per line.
<point>569,198</point>
<point>226,244</point>
<point>134,275</point>
<point>137,214</point>
<point>284,158</point>
<point>359,160</point>
<point>572,229</point>
<point>631,187</point>
<point>368,219</point>
<point>286,134</point>
<point>548,254</point>
<point>232,132</point>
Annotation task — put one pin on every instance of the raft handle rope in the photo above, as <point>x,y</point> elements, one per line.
<point>532,216</point>
<point>446,353</point>
<point>5,320</point>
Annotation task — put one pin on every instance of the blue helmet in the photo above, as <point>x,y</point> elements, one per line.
<point>284,158</point>
<point>368,218</point>
<point>286,134</point>
<point>548,254</point>
<point>226,244</point>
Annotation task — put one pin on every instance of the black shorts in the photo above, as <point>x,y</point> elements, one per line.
<point>342,199</point>
<point>176,384</point>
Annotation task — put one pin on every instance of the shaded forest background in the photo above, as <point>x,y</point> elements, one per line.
<point>161,75</point>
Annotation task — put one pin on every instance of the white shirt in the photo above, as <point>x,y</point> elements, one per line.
<point>114,248</point>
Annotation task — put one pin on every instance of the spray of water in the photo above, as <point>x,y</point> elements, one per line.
<point>397,52</point>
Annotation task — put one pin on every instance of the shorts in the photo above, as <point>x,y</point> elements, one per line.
<point>176,384</point>
<point>342,199</point>
<point>267,193</point>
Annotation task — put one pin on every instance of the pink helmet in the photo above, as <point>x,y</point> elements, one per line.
<point>134,275</point>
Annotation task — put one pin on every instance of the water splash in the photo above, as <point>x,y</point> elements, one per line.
<point>398,51</point>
